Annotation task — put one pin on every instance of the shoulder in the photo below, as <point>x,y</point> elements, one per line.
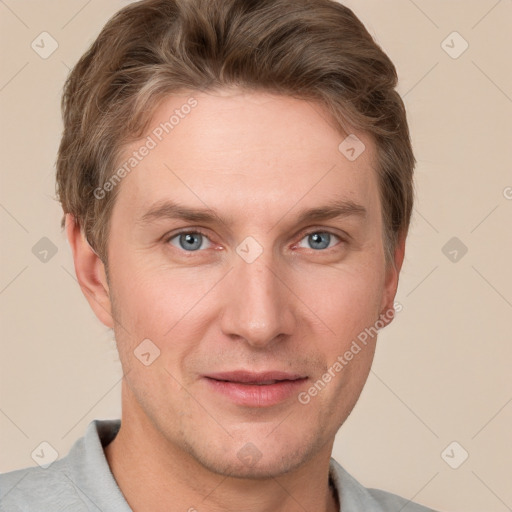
<point>35,488</point>
<point>392,502</point>
<point>79,482</point>
<point>355,497</point>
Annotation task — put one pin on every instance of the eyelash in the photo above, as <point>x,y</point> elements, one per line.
<point>196,231</point>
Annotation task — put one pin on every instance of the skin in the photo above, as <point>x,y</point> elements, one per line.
<point>257,160</point>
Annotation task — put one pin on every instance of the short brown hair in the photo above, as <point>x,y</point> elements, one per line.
<point>315,50</point>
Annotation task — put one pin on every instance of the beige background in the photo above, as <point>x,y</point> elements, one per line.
<point>442,369</point>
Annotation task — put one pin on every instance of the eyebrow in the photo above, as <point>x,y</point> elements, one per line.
<point>168,209</point>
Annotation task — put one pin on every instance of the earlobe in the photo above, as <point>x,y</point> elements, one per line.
<point>90,272</point>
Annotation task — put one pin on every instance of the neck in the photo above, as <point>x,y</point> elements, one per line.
<point>156,475</point>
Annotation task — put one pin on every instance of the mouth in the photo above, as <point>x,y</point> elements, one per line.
<point>251,389</point>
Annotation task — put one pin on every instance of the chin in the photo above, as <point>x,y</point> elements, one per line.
<point>259,460</point>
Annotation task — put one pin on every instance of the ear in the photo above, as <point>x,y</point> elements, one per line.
<point>391,281</point>
<point>90,272</point>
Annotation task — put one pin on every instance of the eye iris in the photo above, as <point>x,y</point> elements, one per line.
<point>192,241</point>
<point>316,238</point>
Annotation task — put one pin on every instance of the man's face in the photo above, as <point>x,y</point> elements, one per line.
<point>252,311</point>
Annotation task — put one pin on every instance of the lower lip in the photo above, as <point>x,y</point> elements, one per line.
<point>252,395</point>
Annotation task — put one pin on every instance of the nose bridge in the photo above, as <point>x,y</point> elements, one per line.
<point>258,307</point>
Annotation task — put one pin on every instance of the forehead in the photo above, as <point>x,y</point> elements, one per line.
<point>246,153</point>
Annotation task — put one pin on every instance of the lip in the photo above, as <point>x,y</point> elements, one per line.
<point>255,389</point>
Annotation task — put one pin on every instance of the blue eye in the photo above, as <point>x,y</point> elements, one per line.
<point>189,241</point>
<point>319,240</point>
<point>193,241</point>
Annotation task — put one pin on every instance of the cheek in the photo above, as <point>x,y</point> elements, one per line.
<point>349,306</point>
<point>145,296</point>
<point>345,300</point>
<point>162,304</point>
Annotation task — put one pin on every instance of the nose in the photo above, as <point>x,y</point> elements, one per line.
<point>258,308</point>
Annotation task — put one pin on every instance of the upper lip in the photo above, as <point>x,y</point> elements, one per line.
<point>247,377</point>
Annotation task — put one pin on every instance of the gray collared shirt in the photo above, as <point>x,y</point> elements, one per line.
<point>82,482</point>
